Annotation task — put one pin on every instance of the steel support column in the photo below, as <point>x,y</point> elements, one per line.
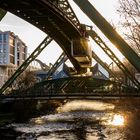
<point>109,31</point>
<point>26,63</point>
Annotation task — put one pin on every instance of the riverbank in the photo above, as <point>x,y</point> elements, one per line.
<point>6,118</point>
<point>22,111</point>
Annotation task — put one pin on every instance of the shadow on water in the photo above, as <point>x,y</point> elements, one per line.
<point>80,130</point>
<point>82,133</point>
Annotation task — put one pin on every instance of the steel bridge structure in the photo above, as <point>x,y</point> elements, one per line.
<point>73,88</point>
<point>57,19</point>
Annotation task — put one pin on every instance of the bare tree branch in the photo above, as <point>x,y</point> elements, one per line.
<point>129,11</point>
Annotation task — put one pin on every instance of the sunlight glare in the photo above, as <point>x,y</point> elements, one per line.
<point>85,105</point>
<point>118,120</point>
<point>38,121</point>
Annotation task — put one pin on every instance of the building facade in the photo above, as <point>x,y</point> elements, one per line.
<point>13,53</point>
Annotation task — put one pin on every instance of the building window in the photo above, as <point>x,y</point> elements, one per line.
<point>1,48</point>
<point>24,49</point>
<point>18,63</point>
<point>18,55</point>
<point>23,56</point>
<point>5,37</point>
<point>18,48</point>
<point>11,41</point>
<point>5,61</point>
<point>4,47</point>
<point>12,48</point>
<point>1,60</point>
<point>12,59</point>
<point>4,55</point>
<point>0,37</point>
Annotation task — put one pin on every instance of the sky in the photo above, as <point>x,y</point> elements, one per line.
<point>32,36</point>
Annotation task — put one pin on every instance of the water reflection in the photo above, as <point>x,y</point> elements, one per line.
<point>82,120</point>
<point>117,120</point>
<point>86,105</point>
<point>39,121</point>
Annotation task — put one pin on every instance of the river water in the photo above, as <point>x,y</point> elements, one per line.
<point>85,120</point>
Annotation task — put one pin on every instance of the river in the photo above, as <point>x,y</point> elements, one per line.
<point>84,120</point>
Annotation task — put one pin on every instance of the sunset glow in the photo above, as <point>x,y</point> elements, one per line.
<point>118,120</point>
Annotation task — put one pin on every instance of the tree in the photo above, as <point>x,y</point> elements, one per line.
<point>26,80</point>
<point>122,75</point>
<point>129,11</point>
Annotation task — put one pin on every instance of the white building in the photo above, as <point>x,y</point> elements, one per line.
<point>13,52</point>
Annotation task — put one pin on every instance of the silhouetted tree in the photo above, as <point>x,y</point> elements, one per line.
<point>121,75</point>
<point>26,80</point>
<point>129,11</point>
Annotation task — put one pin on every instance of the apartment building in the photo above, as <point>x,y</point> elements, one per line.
<point>13,53</point>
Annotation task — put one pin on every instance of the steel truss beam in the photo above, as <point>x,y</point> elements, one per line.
<point>72,86</point>
<point>26,63</point>
<point>104,66</point>
<point>108,51</point>
<point>62,58</point>
<point>67,9</point>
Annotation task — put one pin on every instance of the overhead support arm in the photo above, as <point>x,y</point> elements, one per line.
<point>110,33</point>
<point>26,63</point>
